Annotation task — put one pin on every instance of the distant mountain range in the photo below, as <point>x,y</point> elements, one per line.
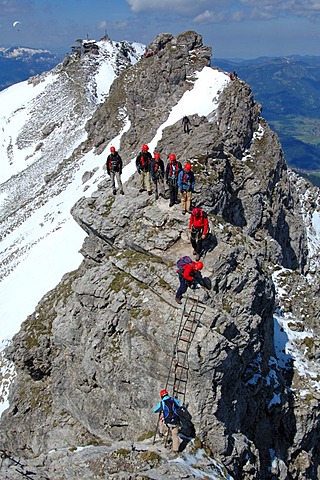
<point>289,90</point>
<point>20,63</point>
<point>287,87</point>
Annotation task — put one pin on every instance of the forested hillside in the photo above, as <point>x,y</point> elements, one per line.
<point>289,90</point>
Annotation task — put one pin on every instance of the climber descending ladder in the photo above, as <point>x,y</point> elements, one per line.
<point>178,372</point>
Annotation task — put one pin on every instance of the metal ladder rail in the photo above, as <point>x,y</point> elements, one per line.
<point>175,343</point>
<point>188,323</point>
<point>167,384</point>
<point>179,365</point>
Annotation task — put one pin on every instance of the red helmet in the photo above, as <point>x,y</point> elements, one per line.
<point>197,212</point>
<point>144,147</point>
<point>156,155</point>
<point>198,266</point>
<point>187,167</point>
<point>163,393</point>
<point>172,157</point>
<point>112,149</point>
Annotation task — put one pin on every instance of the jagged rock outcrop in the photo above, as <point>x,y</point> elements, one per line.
<point>146,93</point>
<point>92,357</point>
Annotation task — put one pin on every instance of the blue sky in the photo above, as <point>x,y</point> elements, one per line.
<point>234,28</point>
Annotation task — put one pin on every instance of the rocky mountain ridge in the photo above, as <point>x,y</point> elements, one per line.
<point>92,357</point>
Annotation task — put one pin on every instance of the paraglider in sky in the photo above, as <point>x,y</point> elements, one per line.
<point>16,23</point>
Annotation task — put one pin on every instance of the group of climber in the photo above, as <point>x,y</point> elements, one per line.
<point>178,178</point>
<point>180,181</point>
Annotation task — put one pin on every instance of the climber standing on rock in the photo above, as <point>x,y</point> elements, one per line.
<point>198,230</point>
<point>114,169</point>
<point>157,174</point>
<point>172,172</point>
<point>189,276</point>
<point>169,407</point>
<point>186,187</point>
<point>186,124</point>
<point>143,165</point>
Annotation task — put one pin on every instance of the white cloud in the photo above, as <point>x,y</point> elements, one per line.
<point>183,7</point>
<point>102,25</point>
<point>207,11</point>
<point>204,17</point>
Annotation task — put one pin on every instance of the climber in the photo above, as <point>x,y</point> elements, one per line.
<point>169,407</point>
<point>198,230</point>
<point>186,124</point>
<point>143,164</point>
<point>172,171</point>
<point>114,169</point>
<point>189,276</point>
<point>186,187</point>
<point>157,174</point>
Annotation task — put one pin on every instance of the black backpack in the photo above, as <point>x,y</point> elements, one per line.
<point>170,411</point>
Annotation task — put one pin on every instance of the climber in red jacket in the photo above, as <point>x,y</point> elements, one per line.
<point>198,230</point>
<point>189,275</point>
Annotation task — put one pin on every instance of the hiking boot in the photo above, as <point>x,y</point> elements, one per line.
<point>141,190</point>
<point>194,252</point>
<point>149,193</point>
<point>173,454</point>
<point>183,212</point>
<point>156,196</point>
<point>197,257</point>
<point>178,300</point>
<point>122,192</point>
<point>114,191</point>
<point>171,204</point>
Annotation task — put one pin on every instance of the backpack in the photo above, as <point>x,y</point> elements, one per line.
<point>113,162</point>
<point>170,411</point>
<point>182,262</point>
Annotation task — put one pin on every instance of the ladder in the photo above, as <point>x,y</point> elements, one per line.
<point>178,372</point>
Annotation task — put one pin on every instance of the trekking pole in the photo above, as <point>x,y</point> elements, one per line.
<point>155,433</point>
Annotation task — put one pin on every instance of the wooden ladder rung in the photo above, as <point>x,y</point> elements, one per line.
<point>185,339</point>
<point>181,351</point>
<point>178,379</point>
<point>182,365</point>
<point>179,393</point>
<point>187,329</point>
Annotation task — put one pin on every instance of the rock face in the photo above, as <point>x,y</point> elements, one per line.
<point>92,357</point>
